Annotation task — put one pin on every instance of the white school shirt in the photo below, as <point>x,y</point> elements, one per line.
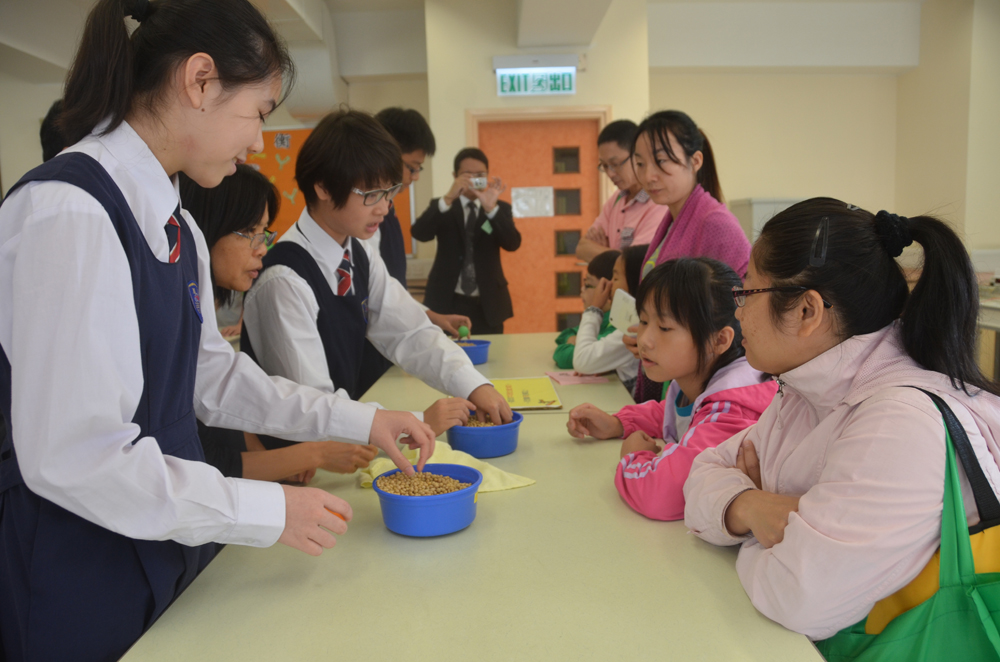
<point>280,313</point>
<point>443,207</point>
<point>593,355</point>
<point>69,328</point>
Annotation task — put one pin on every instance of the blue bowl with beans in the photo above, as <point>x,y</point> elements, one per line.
<point>433,515</point>
<point>477,350</point>
<point>485,442</point>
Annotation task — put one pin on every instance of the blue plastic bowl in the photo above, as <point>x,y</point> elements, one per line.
<point>486,442</point>
<point>479,352</point>
<point>426,516</point>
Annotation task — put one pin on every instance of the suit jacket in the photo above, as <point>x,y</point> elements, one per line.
<point>449,230</point>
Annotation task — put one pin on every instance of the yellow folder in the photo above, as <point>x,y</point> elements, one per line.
<point>529,393</point>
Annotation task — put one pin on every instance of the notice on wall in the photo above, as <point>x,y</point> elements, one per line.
<point>532,201</point>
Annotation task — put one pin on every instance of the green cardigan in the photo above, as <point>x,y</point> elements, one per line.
<point>563,355</point>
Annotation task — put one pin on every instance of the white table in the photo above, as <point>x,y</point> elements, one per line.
<point>511,355</point>
<point>561,570</point>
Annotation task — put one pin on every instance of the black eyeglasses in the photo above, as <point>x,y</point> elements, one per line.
<point>375,195</point>
<point>740,295</point>
<point>609,168</point>
<point>413,170</point>
<point>265,238</point>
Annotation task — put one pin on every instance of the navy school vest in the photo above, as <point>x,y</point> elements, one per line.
<point>392,246</point>
<point>100,590</point>
<point>342,321</point>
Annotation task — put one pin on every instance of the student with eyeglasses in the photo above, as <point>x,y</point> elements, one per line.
<point>235,217</point>
<point>629,217</point>
<point>835,496</point>
<point>324,295</point>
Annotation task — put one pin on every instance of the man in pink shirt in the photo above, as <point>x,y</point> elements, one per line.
<point>629,217</point>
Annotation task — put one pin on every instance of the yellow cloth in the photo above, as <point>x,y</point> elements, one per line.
<point>494,479</point>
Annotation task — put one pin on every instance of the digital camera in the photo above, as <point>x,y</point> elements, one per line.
<point>480,183</point>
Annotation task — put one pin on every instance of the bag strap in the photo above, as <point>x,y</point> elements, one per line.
<point>986,499</point>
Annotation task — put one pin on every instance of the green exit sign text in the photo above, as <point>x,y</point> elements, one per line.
<point>536,80</point>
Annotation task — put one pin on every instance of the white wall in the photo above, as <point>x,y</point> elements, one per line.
<point>982,202</point>
<point>23,105</point>
<point>378,43</point>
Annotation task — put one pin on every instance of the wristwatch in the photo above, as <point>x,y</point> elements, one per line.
<point>594,309</point>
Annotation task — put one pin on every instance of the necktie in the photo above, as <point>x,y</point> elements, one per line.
<point>344,274</point>
<point>173,230</point>
<point>469,266</point>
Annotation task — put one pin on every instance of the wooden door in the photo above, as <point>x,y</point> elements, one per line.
<point>541,153</point>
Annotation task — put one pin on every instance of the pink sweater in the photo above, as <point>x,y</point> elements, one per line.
<point>705,228</point>
<point>653,484</point>
<point>866,456</point>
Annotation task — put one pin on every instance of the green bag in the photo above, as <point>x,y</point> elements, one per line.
<point>959,622</point>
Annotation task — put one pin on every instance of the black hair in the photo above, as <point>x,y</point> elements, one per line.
<point>471,153</point>
<point>235,205</point>
<point>621,132</point>
<point>860,277</point>
<point>409,128</point>
<point>52,138</point>
<point>698,293</point>
<point>603,265</point>
<point>633,258</point>
<point>347,149</point>
<point>114,74</point>
<point>691,139</point>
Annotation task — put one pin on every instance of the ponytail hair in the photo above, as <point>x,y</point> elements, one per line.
<point>114,74</point>
<point>657,128</point>
<point>848,254</point>
<point>698,294</point>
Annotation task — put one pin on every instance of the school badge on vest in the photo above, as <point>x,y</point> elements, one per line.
<point>195,299</point>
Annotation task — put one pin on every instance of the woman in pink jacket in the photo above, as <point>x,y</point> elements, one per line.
<point>836,493</point>
<point>687,334</point>
<point>674,162</point>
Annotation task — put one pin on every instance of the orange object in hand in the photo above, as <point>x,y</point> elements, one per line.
<point>342,518</point>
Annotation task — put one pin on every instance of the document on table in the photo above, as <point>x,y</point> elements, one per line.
<point>568,377</point>
<point>529,393</point>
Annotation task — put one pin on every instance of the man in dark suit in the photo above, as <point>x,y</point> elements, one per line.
<point>471,226</point>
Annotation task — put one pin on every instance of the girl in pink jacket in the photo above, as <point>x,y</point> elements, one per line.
<point>687,334</point>
<point>836,493</point>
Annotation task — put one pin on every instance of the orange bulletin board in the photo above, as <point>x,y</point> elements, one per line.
<point>277,162</point>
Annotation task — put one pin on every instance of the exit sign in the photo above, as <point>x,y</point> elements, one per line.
<point>536,80</point>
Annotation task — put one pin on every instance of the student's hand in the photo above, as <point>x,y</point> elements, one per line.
<point>301,478</point>
<point>232,331</point>
<point>449,323</point>
<point>461,182</point>
<point>488,401</point>
<point>587,419</point>
<point>602,293</point>
<point>571,340</point>
<point>390,425</point>
<point>763,514</point>
<point>340,458</point>
<point>446,413</point>
<point>640,441</point>
<point>309,519</point>
<point>748,463</point>
<point>631,341</point>
<point>488,198</point>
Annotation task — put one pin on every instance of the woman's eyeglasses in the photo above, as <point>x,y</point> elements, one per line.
<point>374,196</point>
<point>265,238</point>
<point>740,295</point>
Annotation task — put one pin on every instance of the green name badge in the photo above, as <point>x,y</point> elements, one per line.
<point>487,228</point>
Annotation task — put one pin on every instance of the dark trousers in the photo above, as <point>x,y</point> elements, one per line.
<point>472,307</point>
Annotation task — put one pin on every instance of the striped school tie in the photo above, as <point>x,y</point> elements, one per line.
<point>173,230</point>
<point>344,274</point>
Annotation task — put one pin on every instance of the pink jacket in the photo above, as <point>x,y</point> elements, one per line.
<point>653,484</point>
<point>705,228</point>
<point>866,456</point>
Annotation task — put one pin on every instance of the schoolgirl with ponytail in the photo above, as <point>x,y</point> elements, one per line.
<point>107,509</point>
<point>836,493</point>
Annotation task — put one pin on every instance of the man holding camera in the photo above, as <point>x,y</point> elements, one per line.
<point>471,225</point>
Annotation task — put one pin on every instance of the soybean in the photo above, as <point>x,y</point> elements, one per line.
<point>422,483</point>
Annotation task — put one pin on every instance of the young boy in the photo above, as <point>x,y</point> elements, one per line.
<point>416,141</point>
<point>630,217</point>
<point>323,292</point>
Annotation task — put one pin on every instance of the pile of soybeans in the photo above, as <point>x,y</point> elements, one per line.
<point>421,483</point>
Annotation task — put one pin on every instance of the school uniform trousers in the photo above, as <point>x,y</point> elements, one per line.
<point>300,322</point>
<point>106,509</point>
<point>460,283</point>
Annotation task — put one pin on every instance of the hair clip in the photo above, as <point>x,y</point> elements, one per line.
<point>851,207</point>
<point>818,258</point>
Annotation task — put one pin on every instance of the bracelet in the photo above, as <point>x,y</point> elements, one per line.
<point>594,309</point>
